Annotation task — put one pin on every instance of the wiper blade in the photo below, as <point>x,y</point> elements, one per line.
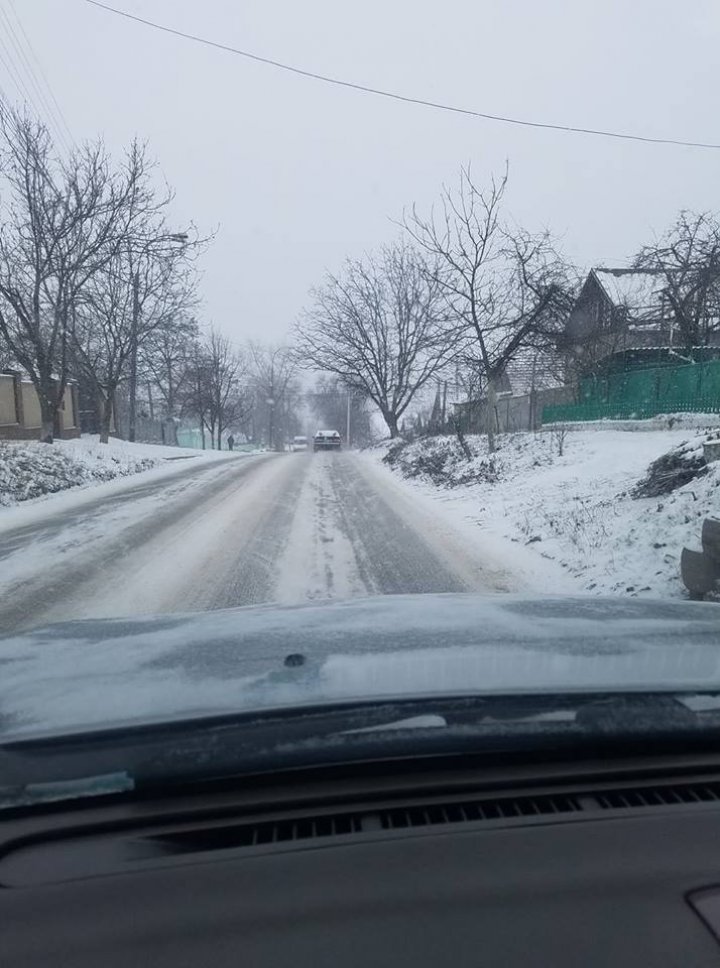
<point>228,747</point>
<point>426,721</point>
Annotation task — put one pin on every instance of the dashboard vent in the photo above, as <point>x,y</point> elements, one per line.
<point>393,818</point>
<point>72,855</point>
<point>429,815</point>
<point>661,796</point>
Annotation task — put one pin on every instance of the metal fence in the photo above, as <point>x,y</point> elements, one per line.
<point>638,394</point>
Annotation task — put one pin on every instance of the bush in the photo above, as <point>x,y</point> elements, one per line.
<point>30,470</point>
<point>440,460</point>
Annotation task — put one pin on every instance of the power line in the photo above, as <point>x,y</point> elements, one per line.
<point>24,64</point>
<point>51,110</point>
<point>11,70</point>
<point>401,97</point>
<point>14,68</point>
<point>42,73</point>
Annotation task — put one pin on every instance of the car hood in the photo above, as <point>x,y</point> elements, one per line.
<point>93,674</point>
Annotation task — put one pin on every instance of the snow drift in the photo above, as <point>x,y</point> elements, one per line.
<point>30,469</point>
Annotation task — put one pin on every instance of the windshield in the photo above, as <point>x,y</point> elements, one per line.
<point>355,356</point>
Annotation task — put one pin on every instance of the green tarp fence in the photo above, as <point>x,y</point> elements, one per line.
<point>637,394</point>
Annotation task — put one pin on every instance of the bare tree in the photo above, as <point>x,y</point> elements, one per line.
<point>273,371</point>
<point>227,400</point>
<point>215,389</point>
<point>383,327</point>
<point>6,357</point>
<point>195,398</point>
<point>100,343</point>
<point>60,223</point>
<point>143,287</point>
<point>168,354</point>
<point>687,258</point>
<point>508,287</point>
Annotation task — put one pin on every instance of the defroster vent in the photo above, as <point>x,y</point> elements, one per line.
<point>514,808</point>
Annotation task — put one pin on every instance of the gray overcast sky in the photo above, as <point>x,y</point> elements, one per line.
<point>298,174</point>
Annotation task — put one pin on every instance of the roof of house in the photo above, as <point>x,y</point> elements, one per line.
<point>637,289</point>
<point>534,369</point>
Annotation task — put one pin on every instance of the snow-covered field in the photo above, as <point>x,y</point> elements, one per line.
<point>573,512</point>
<point>31,470</point>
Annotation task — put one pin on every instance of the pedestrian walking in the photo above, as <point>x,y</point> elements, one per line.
<point>231,442</point>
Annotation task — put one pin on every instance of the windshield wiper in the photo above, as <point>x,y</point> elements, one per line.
<point>160,755</point>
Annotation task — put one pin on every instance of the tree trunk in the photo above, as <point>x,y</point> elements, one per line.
<point>106,419</point>
<point>170,392</point>
<point>392,423</point>
<point>456,422</point>
<point>47,428</point>
<point>490,416</point>
<point>47,396</point>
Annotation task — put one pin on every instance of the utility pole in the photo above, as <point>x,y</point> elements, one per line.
<point>132,385</point>
<point>347,426</point>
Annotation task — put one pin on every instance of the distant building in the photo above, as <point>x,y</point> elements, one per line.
<point>622,312</point>
<point>533,369</point>
<point>20,414</point>
<point>532,380</point>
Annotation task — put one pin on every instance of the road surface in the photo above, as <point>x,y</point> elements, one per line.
<point>284,528</point>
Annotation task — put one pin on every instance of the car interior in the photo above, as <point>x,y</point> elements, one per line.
<point>424,862</point>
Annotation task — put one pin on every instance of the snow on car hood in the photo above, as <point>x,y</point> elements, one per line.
<point>100,673</point>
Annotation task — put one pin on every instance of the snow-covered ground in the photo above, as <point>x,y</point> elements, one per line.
<point>284,528</point>
<point>212,530</point>
<point>571,518</point>
<point>30,470</point>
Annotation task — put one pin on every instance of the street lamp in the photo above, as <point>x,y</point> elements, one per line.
<point>132,383</point>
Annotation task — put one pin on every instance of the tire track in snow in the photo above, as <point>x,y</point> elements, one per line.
<point>320,560</point>
<point>283,528</point>
<point>392,556</point>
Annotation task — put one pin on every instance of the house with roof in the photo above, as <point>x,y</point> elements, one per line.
<point>533,379</point>
<point>617,309</point>
<point>532,369</point>
<point>623,316</point>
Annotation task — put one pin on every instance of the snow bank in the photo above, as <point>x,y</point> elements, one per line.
<point>577,509</point>
<point>29,469</point>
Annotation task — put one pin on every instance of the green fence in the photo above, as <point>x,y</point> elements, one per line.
<point>637,394</point>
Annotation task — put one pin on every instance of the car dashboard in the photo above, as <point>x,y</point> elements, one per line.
<point>565,864</point>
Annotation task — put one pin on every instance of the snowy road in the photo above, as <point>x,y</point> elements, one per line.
<point>284,528</point>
